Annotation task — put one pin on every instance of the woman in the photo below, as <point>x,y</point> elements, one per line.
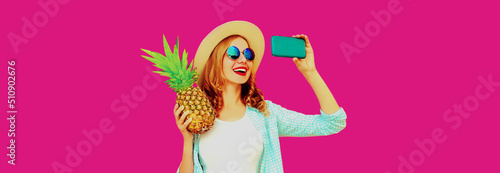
<point>245,135</point>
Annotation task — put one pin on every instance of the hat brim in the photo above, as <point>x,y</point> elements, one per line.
<point>248,30</point>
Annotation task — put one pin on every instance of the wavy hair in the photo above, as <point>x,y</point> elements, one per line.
<point>215,80</point>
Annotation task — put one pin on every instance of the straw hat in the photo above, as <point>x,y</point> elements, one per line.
<point>247,30</point>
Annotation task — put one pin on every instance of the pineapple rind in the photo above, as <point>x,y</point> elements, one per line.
<point>202,117</point>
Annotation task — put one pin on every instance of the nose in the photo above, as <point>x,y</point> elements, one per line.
<point>241,59</point>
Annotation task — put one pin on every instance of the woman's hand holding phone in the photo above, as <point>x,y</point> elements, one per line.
<point>306,64</point>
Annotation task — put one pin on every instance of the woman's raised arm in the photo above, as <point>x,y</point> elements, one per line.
<point>307,67</point>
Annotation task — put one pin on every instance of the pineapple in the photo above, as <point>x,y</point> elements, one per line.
<point>181,81</point>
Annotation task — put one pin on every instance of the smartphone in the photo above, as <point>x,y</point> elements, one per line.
<point>288,47</point>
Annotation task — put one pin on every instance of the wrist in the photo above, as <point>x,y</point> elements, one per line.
<point>188,139</point>
<point>310,73</point>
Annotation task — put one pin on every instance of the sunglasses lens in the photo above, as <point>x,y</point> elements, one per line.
<point>249,54</point>
<point>233,52</point>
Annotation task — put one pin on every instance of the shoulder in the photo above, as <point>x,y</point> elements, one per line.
<point>270,103</point>
<point>270,106</point>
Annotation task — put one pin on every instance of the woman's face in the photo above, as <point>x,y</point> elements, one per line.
<point>232,68</point>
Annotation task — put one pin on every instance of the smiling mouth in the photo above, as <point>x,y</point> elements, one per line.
<point>240,71</point>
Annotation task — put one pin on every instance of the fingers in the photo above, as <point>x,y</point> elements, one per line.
<point>303,37</point>
<point>306,39</point>
<point>177,112</point>
<point>296,61</point>
<point>300,36</point>
<point>181,120</point>
<point>186,124</point>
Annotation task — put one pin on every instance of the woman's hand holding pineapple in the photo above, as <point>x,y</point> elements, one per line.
<point>180,122</point>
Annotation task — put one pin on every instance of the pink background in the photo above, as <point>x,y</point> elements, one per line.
<point>395,91</point>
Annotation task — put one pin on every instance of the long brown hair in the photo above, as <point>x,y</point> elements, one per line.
<point>215,80</point>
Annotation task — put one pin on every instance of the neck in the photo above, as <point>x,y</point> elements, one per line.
<point>231,94</point>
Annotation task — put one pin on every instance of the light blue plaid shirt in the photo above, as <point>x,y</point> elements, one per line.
<point>283,122</point>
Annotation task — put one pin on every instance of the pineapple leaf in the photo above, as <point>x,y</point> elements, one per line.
<point>166,47</point>
<point>184,60</point>
<point>154,54</point>
<point>173,65</point>
<point>164,73</point>
<point>157,59</point>
<point>150,53</point>
<point>184,63</point>
<point>176,55</point>
<point>190,65</point>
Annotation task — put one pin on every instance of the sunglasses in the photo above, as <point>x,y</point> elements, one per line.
<point>234,53</point>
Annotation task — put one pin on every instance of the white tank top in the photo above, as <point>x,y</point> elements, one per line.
<point>231,147</point>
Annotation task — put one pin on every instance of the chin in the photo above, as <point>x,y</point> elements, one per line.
<point>239,81</point>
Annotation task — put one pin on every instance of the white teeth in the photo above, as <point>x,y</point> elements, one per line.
<point>240,70</point>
